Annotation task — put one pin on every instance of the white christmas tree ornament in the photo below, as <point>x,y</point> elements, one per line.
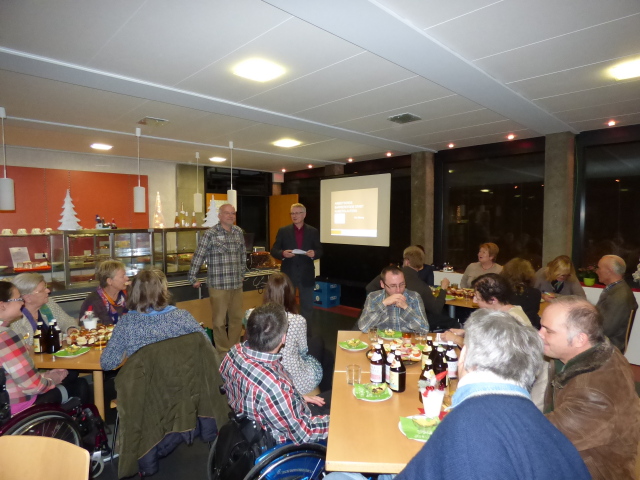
<point>212,216</point>
<point>68,220</point>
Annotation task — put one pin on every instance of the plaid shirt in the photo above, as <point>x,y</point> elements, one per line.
<point>376,315</point>
<point>225,255</point>
<point>611,285</point>
<point>258,386</point>
<point>23,381</point>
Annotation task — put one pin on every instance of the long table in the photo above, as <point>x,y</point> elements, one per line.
<point>468,303</point>
<point>364,436</point>
<point>89,361</point>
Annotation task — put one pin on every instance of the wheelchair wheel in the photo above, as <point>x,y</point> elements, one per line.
<point>211,471</point>
<point>291,462</point>
<point>48,424</point>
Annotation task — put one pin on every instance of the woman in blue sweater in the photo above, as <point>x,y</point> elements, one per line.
<point>150,319</point>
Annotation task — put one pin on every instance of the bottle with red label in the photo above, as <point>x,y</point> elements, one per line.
<point>377,366</point>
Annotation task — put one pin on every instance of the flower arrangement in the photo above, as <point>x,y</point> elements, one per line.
<point>588,275</point>
<point>636,274</point>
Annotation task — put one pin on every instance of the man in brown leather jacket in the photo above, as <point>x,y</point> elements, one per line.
<point>591,397</point>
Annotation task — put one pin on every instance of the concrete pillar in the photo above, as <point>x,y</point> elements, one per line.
<point>559,169</point>
<point>422,202</point>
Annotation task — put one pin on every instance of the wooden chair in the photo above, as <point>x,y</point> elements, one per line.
<point>632,317</point>
<point>25,456</point>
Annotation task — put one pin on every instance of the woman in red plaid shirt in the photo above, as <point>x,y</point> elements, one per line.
<point>26,386</point>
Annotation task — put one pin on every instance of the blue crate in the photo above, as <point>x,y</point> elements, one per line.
<point>325,300</point>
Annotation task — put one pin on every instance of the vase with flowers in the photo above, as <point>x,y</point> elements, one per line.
<point>588,275</point>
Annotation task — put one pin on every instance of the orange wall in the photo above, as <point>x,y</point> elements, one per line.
<point>40,193</point>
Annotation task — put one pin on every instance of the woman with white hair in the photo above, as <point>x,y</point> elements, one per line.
<point>37,307</point>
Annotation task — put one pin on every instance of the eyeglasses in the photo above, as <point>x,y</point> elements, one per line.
<point>37,291</point>
<point>393,287</point>
<point>19,299</point>
<point>297,213</point>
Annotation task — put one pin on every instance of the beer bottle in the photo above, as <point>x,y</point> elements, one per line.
<point>426,354</point>
<point>43,337</point>
<point>37,340</point>
<point>388,362</point>
<point>377,366</point>
<point>427,378</point>
<point>53,340</point>
<point>176,222</point>
<point>398,380</point>
<point>452,363</point>
<point>439,366</point>
<point>383,352</point>
<point>54,325</point>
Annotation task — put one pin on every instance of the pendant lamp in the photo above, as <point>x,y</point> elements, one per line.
<point>197,197</point>
<point>7,191</point>
<point>139,195</point>
<point>232,197</point>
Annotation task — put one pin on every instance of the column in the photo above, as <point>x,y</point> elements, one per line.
<point>422,202</point>
<point>559,169</point>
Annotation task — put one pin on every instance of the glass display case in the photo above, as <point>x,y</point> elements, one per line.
<point>174,248</point>
<point>71,256</point>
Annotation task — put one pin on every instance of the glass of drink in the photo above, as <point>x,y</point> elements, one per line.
<point>373,335</point>
<point>353,374</point>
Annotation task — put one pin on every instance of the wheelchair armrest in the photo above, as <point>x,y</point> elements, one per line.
<point>70,404</point>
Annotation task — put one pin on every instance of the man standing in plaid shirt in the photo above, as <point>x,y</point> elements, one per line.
<point>223,248</point>
<point>258,385</point>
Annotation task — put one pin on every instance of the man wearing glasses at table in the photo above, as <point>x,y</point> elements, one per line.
<point>394,307</point>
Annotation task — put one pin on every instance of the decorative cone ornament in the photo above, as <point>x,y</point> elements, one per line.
<point>68,220</point>
<point>212,216</point>
<point>158,218</point>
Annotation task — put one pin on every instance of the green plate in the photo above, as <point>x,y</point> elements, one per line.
<point>363,392</point>
<point>64,353</point>
<point>448,298</point>
<point>415,432</point>
<point>360,346</point>
<point>396,334</point>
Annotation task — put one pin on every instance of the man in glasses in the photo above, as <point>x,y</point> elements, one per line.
<point>394,307</point>
<point>298,245</point>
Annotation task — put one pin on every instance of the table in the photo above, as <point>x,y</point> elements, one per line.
<point>364,436</point>
<point>468,303</point>
<point>88,361</point>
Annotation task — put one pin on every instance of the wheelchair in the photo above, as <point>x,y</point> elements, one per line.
<point>72,422</point>
<point>243,451</point>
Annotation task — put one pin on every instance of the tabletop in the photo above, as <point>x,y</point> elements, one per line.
<point>88,361</point>
<point>364,436</point>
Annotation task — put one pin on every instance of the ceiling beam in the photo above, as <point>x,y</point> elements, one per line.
<point>43,67</point>
<point>380,31</point>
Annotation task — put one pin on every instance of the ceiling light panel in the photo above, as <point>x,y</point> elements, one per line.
<point>258,70</point>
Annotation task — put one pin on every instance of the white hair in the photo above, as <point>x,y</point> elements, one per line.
<point>617,264</point>
<point>496,342</point>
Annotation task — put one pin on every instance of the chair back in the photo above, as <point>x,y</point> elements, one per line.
<point>25,456</point>
<point>632,317</point>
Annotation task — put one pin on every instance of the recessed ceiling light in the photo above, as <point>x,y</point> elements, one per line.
<point>287,143</point>
<point>485,190</point>
<point>451,171</point>
<point>284,170</point>
<point>626,70</point>
<point>511,136</point>
<point>451,145</point>
<point>310,166</point>
<point>217,159</point>
<point>258,69</point>
<point>515,186</point>
<point>611,123</point>
<point>349,160</point>
<point>389,154</point>
<point>101,146</point>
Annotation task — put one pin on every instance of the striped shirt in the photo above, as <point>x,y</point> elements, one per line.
<point>225,255</point>
<point>258,385</point>
<point>377,315</point>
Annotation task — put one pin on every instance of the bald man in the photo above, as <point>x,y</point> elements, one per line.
<point>616,301</point>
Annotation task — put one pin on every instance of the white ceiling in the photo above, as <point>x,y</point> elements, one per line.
<point>77,72</point>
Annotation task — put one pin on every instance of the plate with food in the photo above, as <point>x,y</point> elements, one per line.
<point>372,392</point>
<point>389,334</point>
<point>71,351</point>
<point>449,298</point>
<point>418,427</point>
<point>353,345</point>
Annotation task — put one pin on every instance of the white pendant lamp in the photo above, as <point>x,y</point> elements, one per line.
<point>197,197</point>
<point>7,191</point>
<point>139,195</point>
<point>232,195</point>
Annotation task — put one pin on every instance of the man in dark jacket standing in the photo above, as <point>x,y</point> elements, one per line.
<point>591,397</point>
<point>298,245</point>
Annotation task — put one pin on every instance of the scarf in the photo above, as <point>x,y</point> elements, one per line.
<point>114,307</point>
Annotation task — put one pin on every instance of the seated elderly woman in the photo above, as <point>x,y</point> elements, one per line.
<point>558,278</point>
<point>487,254</point>
<point>519,273</point>
<point>150,319</point>
<point>37,306</point>
<point>304,369</point>
<point>109,299</point>
<point>24,384</point>
<point>493,292</point>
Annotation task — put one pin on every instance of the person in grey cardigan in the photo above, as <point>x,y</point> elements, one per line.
<point>558,278</point>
